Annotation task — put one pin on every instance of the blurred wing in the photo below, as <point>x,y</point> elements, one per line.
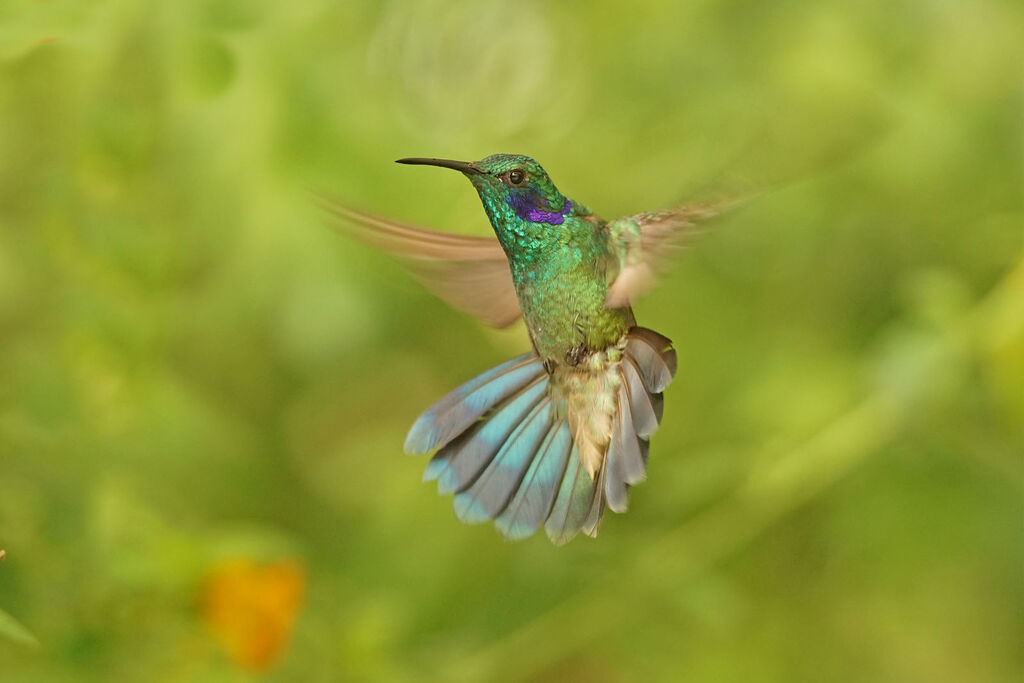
<point>469,273</point>
<point>642,244</point>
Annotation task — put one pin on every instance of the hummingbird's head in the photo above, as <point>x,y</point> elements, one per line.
<point>513,188</point>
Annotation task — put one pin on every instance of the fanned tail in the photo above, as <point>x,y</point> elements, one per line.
<point>507,451</point>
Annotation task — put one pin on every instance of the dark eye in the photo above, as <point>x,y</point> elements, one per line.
<point>516,177</point>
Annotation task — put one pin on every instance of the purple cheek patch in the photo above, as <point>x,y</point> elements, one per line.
<point>526,210</point>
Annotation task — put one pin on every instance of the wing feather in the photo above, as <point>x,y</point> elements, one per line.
<point>641,244</point>
<point>469,273</point>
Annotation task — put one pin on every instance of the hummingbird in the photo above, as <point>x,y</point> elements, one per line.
<point>556,435</point>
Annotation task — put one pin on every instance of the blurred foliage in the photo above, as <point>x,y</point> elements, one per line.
<point>195,373</point>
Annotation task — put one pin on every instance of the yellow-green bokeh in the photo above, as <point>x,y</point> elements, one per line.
<point>194,367</point>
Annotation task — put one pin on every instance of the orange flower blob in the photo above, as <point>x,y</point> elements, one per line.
<point>251,609</point>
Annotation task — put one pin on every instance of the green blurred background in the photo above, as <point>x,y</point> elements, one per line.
<point>194,367</point>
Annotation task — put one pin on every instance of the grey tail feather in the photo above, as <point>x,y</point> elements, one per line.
<point>647,367</point>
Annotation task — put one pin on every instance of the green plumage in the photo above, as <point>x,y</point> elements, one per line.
<point>553,437</point>
<point>560,270</point>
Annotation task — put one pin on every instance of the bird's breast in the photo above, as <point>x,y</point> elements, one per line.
<point>565,314</point>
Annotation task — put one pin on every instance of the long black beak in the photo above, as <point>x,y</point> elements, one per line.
<point>462,166</point>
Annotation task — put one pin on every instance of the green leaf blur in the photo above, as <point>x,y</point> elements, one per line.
<point>195,367</point>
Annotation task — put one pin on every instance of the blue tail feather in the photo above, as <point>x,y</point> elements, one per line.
<point>493,489</point>
<point>572,505</point>
<point>459,409</point>
<point>506,456</point>
<point>465,457</point>
<point>532,502</point>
